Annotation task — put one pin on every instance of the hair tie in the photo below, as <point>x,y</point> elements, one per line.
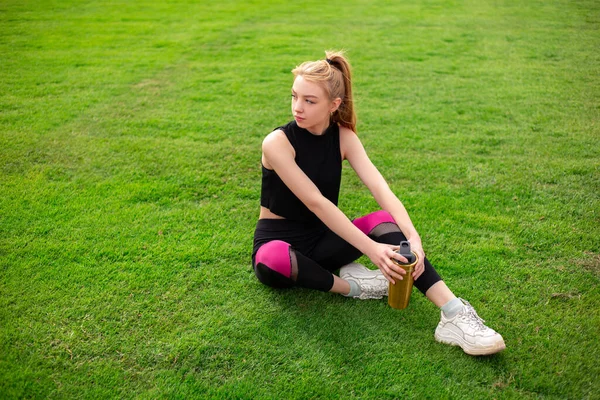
<point>329,61</point>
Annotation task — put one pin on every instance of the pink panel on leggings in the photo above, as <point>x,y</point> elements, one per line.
<point>275,255</point>
<point>370,221</point>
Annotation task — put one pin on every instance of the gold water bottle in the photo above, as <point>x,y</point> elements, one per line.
<point>399,293</point>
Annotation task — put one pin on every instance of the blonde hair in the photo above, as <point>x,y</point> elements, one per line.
<point>334,75</point>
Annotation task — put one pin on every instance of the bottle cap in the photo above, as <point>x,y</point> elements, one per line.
<point>406,253</point>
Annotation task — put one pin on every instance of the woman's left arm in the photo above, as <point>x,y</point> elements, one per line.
<point>353,151</point>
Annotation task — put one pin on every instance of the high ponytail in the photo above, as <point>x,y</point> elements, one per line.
<point>335,75</point>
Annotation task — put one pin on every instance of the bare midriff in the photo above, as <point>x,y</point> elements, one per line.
<point>265,213</point>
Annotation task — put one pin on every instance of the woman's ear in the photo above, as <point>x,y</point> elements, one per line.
<point>335,104</point>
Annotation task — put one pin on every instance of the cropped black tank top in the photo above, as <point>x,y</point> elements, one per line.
<point>320,158</point>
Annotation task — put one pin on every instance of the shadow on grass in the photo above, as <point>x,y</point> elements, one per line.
<point>366,341</point>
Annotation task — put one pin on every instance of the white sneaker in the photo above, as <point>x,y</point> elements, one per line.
<point>372,283</point>
<point>467,330</point>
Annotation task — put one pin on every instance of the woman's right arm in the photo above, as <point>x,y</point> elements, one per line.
<point>278,154</point>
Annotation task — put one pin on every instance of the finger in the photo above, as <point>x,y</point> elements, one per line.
<point>388,277</point>
<point>420,265</point>
<point>399,257</point>
<point>418,272</point>
<point>396,268</point>
<point>393,274</point>
<point>396,272</point>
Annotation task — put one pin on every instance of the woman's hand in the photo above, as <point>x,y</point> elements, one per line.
<point>417,248</point>
<point>381,255</point>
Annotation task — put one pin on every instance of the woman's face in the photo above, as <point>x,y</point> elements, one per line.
<point>311,106</point>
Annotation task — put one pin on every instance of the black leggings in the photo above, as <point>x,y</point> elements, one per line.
<point>289,253</point>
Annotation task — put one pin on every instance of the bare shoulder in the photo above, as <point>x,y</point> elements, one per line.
<point>345,132</point>
<point>275,144</point>
<point>275,141</point>
<point>347,135</point>
<point>349,142</point>
<point>276,136</point>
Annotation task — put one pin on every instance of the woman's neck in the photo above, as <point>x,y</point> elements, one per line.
<point>320,129</point>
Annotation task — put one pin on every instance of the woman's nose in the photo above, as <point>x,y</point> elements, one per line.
<point>296,106</point>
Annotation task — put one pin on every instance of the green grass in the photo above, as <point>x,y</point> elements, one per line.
<point>130,179</point>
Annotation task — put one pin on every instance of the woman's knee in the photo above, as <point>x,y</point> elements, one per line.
<point>273,264</point>
<point>370,221</point>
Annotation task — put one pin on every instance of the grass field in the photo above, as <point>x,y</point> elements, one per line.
<point>130,181</point>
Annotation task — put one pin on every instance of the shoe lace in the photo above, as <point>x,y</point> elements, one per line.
<point>470,316</point>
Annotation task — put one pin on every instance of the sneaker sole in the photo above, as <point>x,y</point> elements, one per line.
<point>468,348</point>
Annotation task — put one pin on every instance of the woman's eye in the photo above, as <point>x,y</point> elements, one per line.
<point>310,102</point>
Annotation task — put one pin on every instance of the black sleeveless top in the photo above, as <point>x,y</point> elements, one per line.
<point>320,158</point>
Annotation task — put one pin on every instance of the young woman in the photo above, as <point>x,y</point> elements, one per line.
<point>302,237</point>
